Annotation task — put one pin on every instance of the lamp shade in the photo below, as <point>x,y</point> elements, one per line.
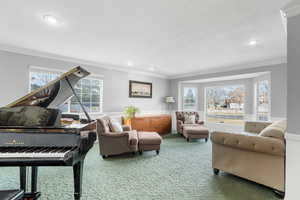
<point>170,100</point>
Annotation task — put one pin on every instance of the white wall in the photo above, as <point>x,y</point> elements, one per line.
<point>14,82</point>
<point>293,110</point>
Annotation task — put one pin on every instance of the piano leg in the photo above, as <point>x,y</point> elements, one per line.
<point>34,174</point>
<point>23,178</point>
<point>77,173</point>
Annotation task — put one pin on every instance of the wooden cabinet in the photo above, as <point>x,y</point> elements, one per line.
<point>161,124</point>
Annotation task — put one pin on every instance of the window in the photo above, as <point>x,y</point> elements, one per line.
<point>89,91</point>
<point>263,100</point>
<point>189,98</point>
<point>225,104</point>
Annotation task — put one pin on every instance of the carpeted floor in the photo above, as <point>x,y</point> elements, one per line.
<point>182,171</point>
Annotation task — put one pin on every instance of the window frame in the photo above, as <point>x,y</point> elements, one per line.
<point>93,77</point>
<point>196,98</point>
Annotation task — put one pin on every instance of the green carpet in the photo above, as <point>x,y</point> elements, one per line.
<point>182,171</point>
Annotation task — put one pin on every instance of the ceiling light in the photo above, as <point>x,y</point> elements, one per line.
<point>129,64</point>
<point>51,20</point>
<point>252,43</point>
<point>151,68</point>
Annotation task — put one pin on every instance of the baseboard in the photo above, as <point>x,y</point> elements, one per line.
<point>292,166</point>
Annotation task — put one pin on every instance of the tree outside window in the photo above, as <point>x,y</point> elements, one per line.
<point>225,104</point>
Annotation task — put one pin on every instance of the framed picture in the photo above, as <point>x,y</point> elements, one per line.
<point>139,89</point>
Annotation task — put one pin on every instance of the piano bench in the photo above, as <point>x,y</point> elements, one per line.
<point>11,194</point>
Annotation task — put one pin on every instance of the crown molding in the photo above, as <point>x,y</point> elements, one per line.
<point>268,62</point>
<point>31,52</point>
<point>292,9</point>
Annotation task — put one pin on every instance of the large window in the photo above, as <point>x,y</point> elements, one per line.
<point>89,91</point>
<point>263,100</point>
<point>225,104</point>
<point>189,98</point>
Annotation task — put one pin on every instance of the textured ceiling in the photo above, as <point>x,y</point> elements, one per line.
<point>172,36</point>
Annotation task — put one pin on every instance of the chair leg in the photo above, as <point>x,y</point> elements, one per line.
<point>206,139</point>
<point>141,152</point>
<point>279,194</point>
<point>157,152</point>
<point>187,139</point>
<point>216,171</point>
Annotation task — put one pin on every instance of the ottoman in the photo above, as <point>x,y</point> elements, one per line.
<point>149,141</point>
<point>195,132</point>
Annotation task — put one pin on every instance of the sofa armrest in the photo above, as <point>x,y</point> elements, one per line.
<point>250,143</point>
<point>200,122</point>
<point>126,127</point>
<point>255,127</point>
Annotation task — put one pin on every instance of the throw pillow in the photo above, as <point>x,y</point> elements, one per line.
<point>189,119</point>
<point>275,130</point>
<point>116,126</point>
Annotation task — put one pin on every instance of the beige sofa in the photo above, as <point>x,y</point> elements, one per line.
<point>114,143</point>
<point>258,154</point>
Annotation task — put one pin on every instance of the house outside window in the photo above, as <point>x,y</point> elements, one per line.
<point>225,104</point>
<point>263,100</point>
<point>89,90</point>
<point>189,98</point>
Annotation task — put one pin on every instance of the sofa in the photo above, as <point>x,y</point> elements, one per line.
<point>257,154</point>
<point>114,143</point>
<point>192,128</point>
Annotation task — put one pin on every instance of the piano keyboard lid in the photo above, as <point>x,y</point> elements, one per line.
<point>54,93</point>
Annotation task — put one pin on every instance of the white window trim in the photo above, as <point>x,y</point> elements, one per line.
<point>94,76</point>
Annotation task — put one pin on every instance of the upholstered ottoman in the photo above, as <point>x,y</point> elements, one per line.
<point>195,132</point>
<point>149,141</point>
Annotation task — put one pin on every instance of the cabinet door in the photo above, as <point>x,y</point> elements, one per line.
<point>140,123</point>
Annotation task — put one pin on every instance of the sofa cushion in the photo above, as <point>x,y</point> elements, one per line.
<point>275,130</point>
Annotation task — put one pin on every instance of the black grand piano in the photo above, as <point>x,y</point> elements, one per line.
<point>28,142</point>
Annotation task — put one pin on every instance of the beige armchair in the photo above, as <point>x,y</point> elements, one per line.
<point>258,154</point>
<point>114,143</point>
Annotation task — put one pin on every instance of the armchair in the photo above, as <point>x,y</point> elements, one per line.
<point>114,143</point>
<point>191,131</point>
<point>180,120</point>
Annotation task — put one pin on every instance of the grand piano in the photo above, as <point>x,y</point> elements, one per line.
<point>27,142</point>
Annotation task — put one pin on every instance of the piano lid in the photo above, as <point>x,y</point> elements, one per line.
<point>55,93</point>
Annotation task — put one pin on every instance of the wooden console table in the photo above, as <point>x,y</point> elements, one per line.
<point>161,124</point>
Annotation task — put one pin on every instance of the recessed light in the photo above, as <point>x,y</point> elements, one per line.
<point>51,20</point>
<point>252,43</point>
<point>129,64</point>
<point>151,68</point>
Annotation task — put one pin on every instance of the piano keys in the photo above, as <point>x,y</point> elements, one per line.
<point>29,142</point>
